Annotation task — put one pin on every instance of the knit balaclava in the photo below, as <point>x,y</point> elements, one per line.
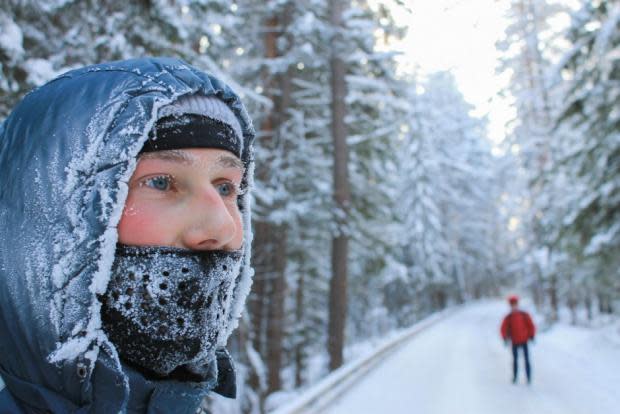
<point>166,309</point>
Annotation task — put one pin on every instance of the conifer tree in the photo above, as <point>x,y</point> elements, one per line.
<point>590,71</point>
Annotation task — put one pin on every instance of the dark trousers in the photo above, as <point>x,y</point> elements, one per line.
<point>515,359</point>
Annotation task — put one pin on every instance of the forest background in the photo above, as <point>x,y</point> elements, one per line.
<point>379,198</point>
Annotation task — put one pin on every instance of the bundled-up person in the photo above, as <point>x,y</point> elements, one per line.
<point>124,259</point>
<point>517,328</point>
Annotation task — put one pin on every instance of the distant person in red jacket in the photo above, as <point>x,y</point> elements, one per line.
<point>518,328</point>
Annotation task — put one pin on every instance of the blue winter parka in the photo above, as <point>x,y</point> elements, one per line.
<point>67,152</point>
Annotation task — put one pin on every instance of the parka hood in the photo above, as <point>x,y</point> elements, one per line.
<point>67,152</point>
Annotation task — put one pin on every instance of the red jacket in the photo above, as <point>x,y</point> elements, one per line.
<point>518,327</point>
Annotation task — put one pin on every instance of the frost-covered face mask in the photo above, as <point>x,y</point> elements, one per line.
<point>165,308</point>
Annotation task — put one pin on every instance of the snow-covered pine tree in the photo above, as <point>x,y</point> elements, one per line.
<point>465,186</point>
<point>589,122</point>
<point>45,38</point>
<point>448,205</point>
<point>376,112</point>
<point>528,49</point>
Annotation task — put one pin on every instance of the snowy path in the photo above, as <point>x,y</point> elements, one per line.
<point>461,366</point>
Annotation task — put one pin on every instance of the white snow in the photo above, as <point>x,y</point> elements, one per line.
<point>39,70</point>
<point>461,366</point>
<point>601,239</point>
<point>11,38</point>
<point>361,357</point>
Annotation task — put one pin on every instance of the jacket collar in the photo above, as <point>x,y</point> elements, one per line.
<point>147,396</point>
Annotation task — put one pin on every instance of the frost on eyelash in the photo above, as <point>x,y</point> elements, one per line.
<point>162,178</point>
<point>234,189</point>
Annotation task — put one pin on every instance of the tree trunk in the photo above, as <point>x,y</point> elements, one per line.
<point>261,255</point>
<point>588,305</point>
<point>280,93</point>
<point>538,293</point>
<point>338,282</point>
<point>553,297</point>
<point>276,319</point>
<point>604,303</point>
<point>257,299</point>
<point>299,319</point>
<point>572,306</point>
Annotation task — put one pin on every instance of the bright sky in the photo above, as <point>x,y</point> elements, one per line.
<point>460,36</point>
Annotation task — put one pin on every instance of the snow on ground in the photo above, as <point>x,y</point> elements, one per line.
<point>460,365</point>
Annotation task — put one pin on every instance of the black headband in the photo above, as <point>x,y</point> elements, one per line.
<point>192,131</point>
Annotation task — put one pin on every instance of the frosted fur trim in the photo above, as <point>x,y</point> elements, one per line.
<point>242,290</point>
<point>80,345</point>
<point>209,106</point>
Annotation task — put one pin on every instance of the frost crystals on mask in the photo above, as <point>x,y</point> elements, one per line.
<point>166,308</point>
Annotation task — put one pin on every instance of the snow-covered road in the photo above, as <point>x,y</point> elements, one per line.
<point>460,366</point>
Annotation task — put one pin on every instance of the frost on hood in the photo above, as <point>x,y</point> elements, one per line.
<point>83,186</point>
<point>65,165</point>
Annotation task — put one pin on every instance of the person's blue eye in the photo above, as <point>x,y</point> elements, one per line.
<point>161,183</point>
<point>226,189</point>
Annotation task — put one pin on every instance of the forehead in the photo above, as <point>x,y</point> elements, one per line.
<point>196,157</point>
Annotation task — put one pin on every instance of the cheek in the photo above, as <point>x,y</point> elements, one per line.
<point>141,225</point>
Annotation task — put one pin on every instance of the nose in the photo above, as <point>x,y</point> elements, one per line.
<point>210,224</point>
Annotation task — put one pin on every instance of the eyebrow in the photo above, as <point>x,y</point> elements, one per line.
<point>169,155</point>
<point>227,161</point>
<point>179,156</point>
